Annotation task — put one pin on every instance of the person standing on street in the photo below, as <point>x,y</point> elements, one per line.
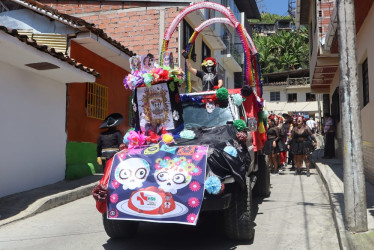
<point>311,124</point>
<point>110,140</point>
<point>329,131</point>
<point>301,147</point>
<point>274,145</point>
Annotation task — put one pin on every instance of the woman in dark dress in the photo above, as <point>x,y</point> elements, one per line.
<point>110,140</point>
<point>273,145</point>
<point>301,146</point>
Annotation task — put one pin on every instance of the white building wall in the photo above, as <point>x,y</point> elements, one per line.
<point>283,106</point>
<point>32,134</point>
<point>365,50</point>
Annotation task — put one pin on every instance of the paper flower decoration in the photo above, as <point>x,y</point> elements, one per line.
<point>239,125</point>
<point>125,140</point>
<point>135,139</point>
<point>172,86</point>
<point>167,138</point>
<point>165,67</point>
<point>213,185</point>
<point>152,138</point>
<point>222,94</point>
<point>163,75</point>
<point>242,137</point>
<point>231,151</point>
<point>246,90</point>
<point>176,115</point>
<point>100,193</point>
<point>148,78</point>
<point>238,99</point>
<point>187,134</point>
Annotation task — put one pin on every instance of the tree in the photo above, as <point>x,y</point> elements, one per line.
<point>284,51</point>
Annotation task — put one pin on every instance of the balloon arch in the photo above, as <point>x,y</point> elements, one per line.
<point>250,50</point>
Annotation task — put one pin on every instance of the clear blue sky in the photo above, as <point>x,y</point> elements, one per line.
<point>279,7</point>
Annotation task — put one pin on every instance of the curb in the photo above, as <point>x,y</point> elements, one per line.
<point>343,240</point>
<point>50,202</point>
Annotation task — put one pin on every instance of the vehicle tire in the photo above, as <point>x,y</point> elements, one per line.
<point>238,218</point>
<point>262,186</point>
<point>120,229</point>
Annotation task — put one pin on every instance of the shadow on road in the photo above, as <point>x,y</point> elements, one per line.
<point>208,234</point>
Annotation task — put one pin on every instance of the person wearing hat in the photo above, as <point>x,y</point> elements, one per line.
<point>110,140</point>
<point>209,76</point>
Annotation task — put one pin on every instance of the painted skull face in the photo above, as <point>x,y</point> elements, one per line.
<point>131,173</point>
<point>173,176</point>
<point>210,107</point>
<point>210,66</point>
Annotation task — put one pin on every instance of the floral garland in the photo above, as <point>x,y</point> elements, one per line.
<point>138,78</point>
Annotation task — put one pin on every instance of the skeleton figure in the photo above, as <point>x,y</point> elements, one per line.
<point>131,173</point>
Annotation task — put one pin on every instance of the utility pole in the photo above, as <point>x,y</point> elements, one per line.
<point>354,179</point>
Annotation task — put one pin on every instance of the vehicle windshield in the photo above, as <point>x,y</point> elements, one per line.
<point>196,116</point>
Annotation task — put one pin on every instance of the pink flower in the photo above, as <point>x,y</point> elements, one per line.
<point>191,218</point>
<point>113,213</point>
<point>114,198</point>
<point>189,160</point>
<point>115,184</point>
<point>193,202</point>
<point>195,186</point>
<point>196,172</point>
<point>197,157</point>
<point>135,139</point>
<point>158,166</point>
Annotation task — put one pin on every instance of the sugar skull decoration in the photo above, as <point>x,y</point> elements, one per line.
<point>131,173</point>
<point>174,174</point>
<point>135,64</point>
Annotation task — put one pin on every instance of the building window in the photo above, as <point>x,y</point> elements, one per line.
<point>310,97</point>
<point>275,96</point>
<point>187,33</point>
<point>292,97</point>
<point>365,82</point>
<point>97,101</point>
<point>227,39</point>
<point>205,51</point>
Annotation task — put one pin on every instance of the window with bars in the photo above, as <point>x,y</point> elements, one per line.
<point>97,101</point>
<point>292,97</point>
<point>275,96</point>
<point>365,82</point>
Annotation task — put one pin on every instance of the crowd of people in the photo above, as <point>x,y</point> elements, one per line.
<point>290,140</point>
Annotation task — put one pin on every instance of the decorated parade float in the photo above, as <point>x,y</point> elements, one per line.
<point>187,152</point>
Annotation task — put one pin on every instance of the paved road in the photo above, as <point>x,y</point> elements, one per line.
<point>297,215</point>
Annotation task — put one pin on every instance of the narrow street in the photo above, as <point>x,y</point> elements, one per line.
<point>297,215</point>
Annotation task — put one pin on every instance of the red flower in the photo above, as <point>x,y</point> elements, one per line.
<point>153,137</point>
<point>164,74</point>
